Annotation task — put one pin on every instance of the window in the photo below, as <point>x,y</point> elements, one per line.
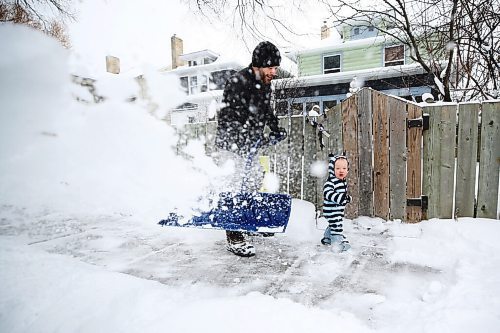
<point>356,31</point>
<point>309,106</point>
<point>187,106</point>
<point>394,55</point>
<point>331,64</point>
<point>208,60</point>
<point>184,83</point>
<point>218,79</point>
<point>297,109</point>
<point>193,85</point>
<point>203,85</point>
<point>197,84</point>
<point>328,105</point>
<point>281,108</point>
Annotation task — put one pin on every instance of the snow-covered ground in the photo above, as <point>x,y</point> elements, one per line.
<point>81,190</point>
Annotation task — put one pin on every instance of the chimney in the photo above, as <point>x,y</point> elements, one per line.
<point>325,31</point>
<point>176,49</point>
<point>112,65</point>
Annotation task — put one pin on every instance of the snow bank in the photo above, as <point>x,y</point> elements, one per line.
<point>57,154</point>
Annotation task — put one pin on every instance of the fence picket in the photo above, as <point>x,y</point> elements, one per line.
<point>332,123</point>
<point>447,167</point>
<point>380,156</point>
<point>311,147</point>
<point>187,133</point>
<point>439,160</point>
<point>365,148</point>
<point>210,131</point>
<point>280,158</point>
<point>489,162</point>
<point>334,127</point>
<point>431,161</point>
<point>295,156</point>
<point>350,142</point>
<point>468,115</point>
<point>322,157</point>
<point>414,164</point>
<point>397,158</point>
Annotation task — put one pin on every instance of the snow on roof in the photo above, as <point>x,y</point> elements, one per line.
<point>364,74</point>
<point>204,97</point>
<point>198,54</point>
<point>289,65</point>
<point>331,43</point>
<point>359,20</point>
<point>207,68</point>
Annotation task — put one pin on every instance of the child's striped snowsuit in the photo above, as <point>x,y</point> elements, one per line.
<point>335,200</point>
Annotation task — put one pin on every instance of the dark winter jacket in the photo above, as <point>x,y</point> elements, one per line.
<point>247,111</point>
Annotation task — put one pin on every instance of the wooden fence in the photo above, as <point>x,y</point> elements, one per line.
<point>407,162</point>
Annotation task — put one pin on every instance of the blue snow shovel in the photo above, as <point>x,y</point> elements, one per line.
<point>244,211</point>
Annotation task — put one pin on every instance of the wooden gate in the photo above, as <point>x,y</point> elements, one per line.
<point>371,129</point>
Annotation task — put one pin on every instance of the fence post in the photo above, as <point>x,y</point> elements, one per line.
<point>489,161</point>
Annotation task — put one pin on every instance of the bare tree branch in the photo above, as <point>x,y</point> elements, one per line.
<point>48,16</point>
<point>255,20</point>
<point>457,41</point>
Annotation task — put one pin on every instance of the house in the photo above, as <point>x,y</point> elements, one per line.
<point>358,56</point>
<point>202,75</point>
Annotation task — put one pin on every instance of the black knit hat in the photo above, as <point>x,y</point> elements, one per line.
<point>266,54</point>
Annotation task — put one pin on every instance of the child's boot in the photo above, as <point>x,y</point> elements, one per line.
<point>344,246</point>
<point>341,242</point>
<point>326,240</point>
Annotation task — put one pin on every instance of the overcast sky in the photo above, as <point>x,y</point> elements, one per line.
<point>139,32</point>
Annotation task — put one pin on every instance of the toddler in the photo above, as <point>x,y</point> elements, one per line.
<point>335,200</point>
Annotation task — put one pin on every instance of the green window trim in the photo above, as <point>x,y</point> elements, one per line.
<point>331,63</point>
<point>394,55</point>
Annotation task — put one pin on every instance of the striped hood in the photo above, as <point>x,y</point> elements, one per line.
<point>331,163</point>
